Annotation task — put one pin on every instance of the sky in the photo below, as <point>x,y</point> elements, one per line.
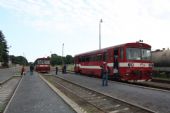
<point>38,28</point>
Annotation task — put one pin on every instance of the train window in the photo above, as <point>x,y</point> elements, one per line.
<point>79,60</point>
<point>92,58</point>
<point>95,58</point>
<point>105,56</point>
<point>83,59</point>
<point>87,58</point>
<point>121,53</point>
<point>99,57</point>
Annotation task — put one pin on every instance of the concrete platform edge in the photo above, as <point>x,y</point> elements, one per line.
<point>71,103</point>
<point>5,110</point>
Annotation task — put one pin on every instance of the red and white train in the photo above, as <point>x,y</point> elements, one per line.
<point>42,65</point>
<point>128,62</point>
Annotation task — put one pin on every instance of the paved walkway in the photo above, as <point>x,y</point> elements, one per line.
<point>34,96</point>
<point>7,73</point>
<point>153,99</point>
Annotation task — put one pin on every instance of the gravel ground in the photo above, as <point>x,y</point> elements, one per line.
<point>153,99</point>
<point>34,96</point>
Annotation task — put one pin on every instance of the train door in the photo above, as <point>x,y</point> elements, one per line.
<point>116,64</point>
<point>76,64</point>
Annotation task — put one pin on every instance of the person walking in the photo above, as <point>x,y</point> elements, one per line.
<point>22,70</point>
<point>104,74</point>
<point>31,69</point>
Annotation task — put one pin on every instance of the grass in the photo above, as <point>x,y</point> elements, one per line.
<point>162,75</point>
<point>1,108</point>
<point>69,67</point>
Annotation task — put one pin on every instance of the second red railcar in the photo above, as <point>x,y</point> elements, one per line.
<point>129,61</point>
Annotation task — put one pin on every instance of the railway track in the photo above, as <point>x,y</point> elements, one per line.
<point>159,84</point>
<point>93,101</point>
<point>6,91</point>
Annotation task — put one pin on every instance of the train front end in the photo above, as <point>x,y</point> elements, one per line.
<point>137,65</point>
<point>42,65</point>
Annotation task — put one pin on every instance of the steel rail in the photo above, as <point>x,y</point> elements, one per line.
<point>108,96</point>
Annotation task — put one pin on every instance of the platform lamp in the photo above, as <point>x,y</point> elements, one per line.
<point>100,33</point>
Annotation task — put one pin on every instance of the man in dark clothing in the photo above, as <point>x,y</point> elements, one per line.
<point>104,70</point>
<point>56,70</point>
<point>31,69</point>
<point>64,69</point>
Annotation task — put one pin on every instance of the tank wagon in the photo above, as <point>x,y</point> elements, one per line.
<point>127,62</point>
<point>42,65</point>
<point>161,58</point>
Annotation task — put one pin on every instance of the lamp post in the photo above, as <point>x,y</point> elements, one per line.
<point>100,33</point>
<point>62,54</point>
<point>9,59</point>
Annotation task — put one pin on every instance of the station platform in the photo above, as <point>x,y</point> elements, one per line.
<point>34,96</point>
<point>156,100</point>
<point>7,73</point>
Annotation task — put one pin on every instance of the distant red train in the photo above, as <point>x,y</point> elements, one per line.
<point>128,62</point>
<point>42,65</point>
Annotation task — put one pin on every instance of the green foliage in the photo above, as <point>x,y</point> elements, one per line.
<point>3,50</point>
<point>69,59</point>
<point>19,60</point>
<point>58,60</point>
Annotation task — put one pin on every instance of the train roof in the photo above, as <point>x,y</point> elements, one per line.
<point>133,44</point>
<point>43,59</point>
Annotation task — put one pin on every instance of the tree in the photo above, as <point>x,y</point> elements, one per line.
<point>56,60</point>
<point>69,59</point>
<point>3,50</point>
<point>18,60</point>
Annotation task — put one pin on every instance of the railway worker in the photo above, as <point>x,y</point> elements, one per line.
<point>64,68</point>
<point>56,70</point>
<point>105,74</point>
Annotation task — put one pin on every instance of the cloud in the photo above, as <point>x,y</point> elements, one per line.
<point>128,20</point>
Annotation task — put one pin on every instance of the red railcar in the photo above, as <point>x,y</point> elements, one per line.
<point>129,61</point>
<point>42,65</point>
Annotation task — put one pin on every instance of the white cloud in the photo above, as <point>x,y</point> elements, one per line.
<point>123,20</point>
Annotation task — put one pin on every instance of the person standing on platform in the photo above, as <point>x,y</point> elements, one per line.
<point>56,70</point>
<point>31,69</point>
<point>104,74</point>
<point>22,70</point>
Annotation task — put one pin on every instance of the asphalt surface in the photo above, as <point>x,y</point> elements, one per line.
<point>34,96</point>
<point>158,101</point>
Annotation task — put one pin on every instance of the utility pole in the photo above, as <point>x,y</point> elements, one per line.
<point>100,33</point>
<point>62,54</point>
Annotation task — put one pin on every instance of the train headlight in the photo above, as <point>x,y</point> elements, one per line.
<point>127,74</point>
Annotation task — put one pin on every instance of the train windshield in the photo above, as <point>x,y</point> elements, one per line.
<point>43,62</point>
<point>138,54</point>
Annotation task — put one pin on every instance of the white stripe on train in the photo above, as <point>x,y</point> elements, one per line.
<point>121,64</point>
